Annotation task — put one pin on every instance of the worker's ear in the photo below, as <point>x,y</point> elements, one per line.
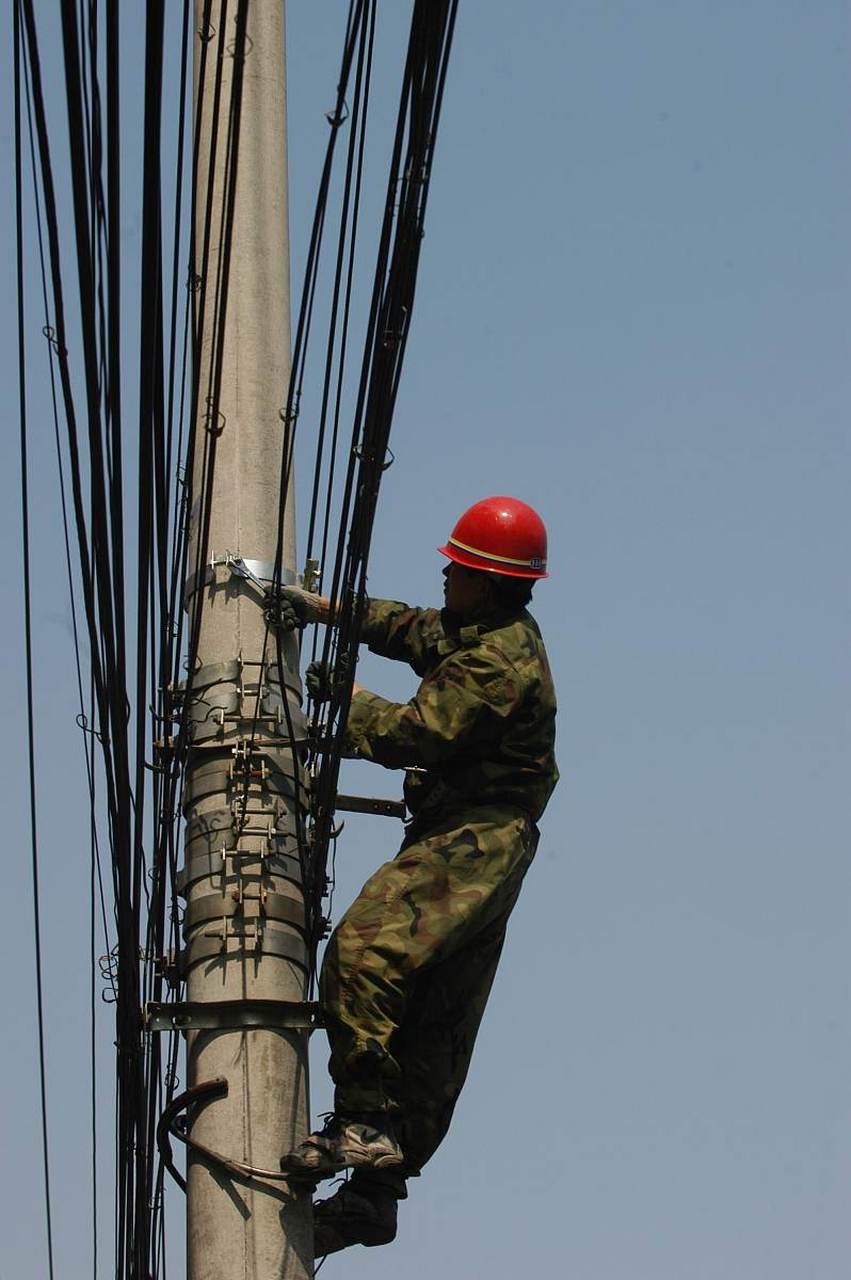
<point>488,597</point>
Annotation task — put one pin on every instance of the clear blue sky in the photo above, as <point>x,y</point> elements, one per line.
<point>633,313</point>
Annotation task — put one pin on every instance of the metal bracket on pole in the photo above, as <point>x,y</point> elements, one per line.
<point>257,572</point>
<point>369,804</point>
<point>232,1015</point>
<point>311,579</point>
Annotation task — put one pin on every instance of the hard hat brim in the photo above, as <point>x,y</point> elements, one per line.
<point>487,563</point>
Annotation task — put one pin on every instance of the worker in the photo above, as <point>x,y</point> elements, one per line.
<point>408,969</point>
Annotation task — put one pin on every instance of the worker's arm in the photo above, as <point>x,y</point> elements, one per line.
<point>461,703</point>
<point>391,628</point>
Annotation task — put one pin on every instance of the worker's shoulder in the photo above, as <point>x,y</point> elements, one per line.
<point>381,610</point>
<point>516,643</point>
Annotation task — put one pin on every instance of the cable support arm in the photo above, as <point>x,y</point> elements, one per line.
<point>169,1127</point>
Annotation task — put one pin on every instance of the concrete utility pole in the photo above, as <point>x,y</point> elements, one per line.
<point>243,929</point>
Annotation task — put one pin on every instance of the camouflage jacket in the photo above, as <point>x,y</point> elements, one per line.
<point>480,728</point>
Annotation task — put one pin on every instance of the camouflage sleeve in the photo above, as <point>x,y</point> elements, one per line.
<point>461,703</point>
<point>395,630</point>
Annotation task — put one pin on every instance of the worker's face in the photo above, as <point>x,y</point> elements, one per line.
<point>465,590</point>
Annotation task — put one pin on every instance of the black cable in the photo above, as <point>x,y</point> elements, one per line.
<point>356,37</point>
<point>83,719</point>
<point>25,539</point>
<point>294,390</point>
<point>102,589</point>
<point>355,31</point>
<point>93,875</point>
<point>388,327</point>
<point>364,44</point>
<point>106,505</point>
<point>61,354</point>
<point>122,727</point>
<point>346,315</point>
<point>151,434</point>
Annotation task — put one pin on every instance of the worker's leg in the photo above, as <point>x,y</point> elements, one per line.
<point>435,1043</point>
<point>362,1211</point>
<point>433,1048</point>
<point>442,890</point>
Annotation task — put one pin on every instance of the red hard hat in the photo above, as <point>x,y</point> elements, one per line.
<point>501,535</point>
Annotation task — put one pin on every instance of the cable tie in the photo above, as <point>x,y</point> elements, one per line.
<point>291,418</point>
<point>335,119</point>
<point>221,420</point>
<point>247,45</point>
<point>389,457</point>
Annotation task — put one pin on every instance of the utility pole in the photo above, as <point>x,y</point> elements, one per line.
<point>244,951</point>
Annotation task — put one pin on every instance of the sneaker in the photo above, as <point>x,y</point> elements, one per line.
<point>346,1143</point>
<point>352,1217</point>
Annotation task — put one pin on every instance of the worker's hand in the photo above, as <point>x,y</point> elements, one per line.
<point>290,608</point>
<point>317,678</point>
<point>280,613</point>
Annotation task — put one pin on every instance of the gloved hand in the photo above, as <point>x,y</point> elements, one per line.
<point>290,608</point>
<point>280,613</point>
<point>317,678</point>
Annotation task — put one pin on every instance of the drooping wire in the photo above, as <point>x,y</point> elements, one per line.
<point>25,539</point>
<point>100,544</point>
<point>347,238</point>
<point>336,118</point>
<point>355,40</point>
<point>143,803</point>
<point>84,719</point>
<point>432,28</point>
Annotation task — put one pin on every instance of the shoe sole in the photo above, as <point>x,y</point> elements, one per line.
<point>327,1164</point>
<point>314,1173</point>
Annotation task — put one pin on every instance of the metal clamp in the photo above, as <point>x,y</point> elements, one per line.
<point>232,1015</point>
<point>252,945</point>
<point>257,572</point>
<point>224,863</point>
<point>269,906</point>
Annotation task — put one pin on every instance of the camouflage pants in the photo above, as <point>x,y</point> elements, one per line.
<point>408,970</point>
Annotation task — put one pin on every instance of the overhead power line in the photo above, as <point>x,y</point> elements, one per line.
<point>127,608</point>
<point>25,539</point>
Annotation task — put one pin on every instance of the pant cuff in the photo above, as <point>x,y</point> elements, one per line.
<point>354,1099</point>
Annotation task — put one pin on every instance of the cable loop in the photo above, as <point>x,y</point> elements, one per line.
<point>82,722</point>
<point>52,337</point>
<point>173,1125</point>
<point>337,118</point>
